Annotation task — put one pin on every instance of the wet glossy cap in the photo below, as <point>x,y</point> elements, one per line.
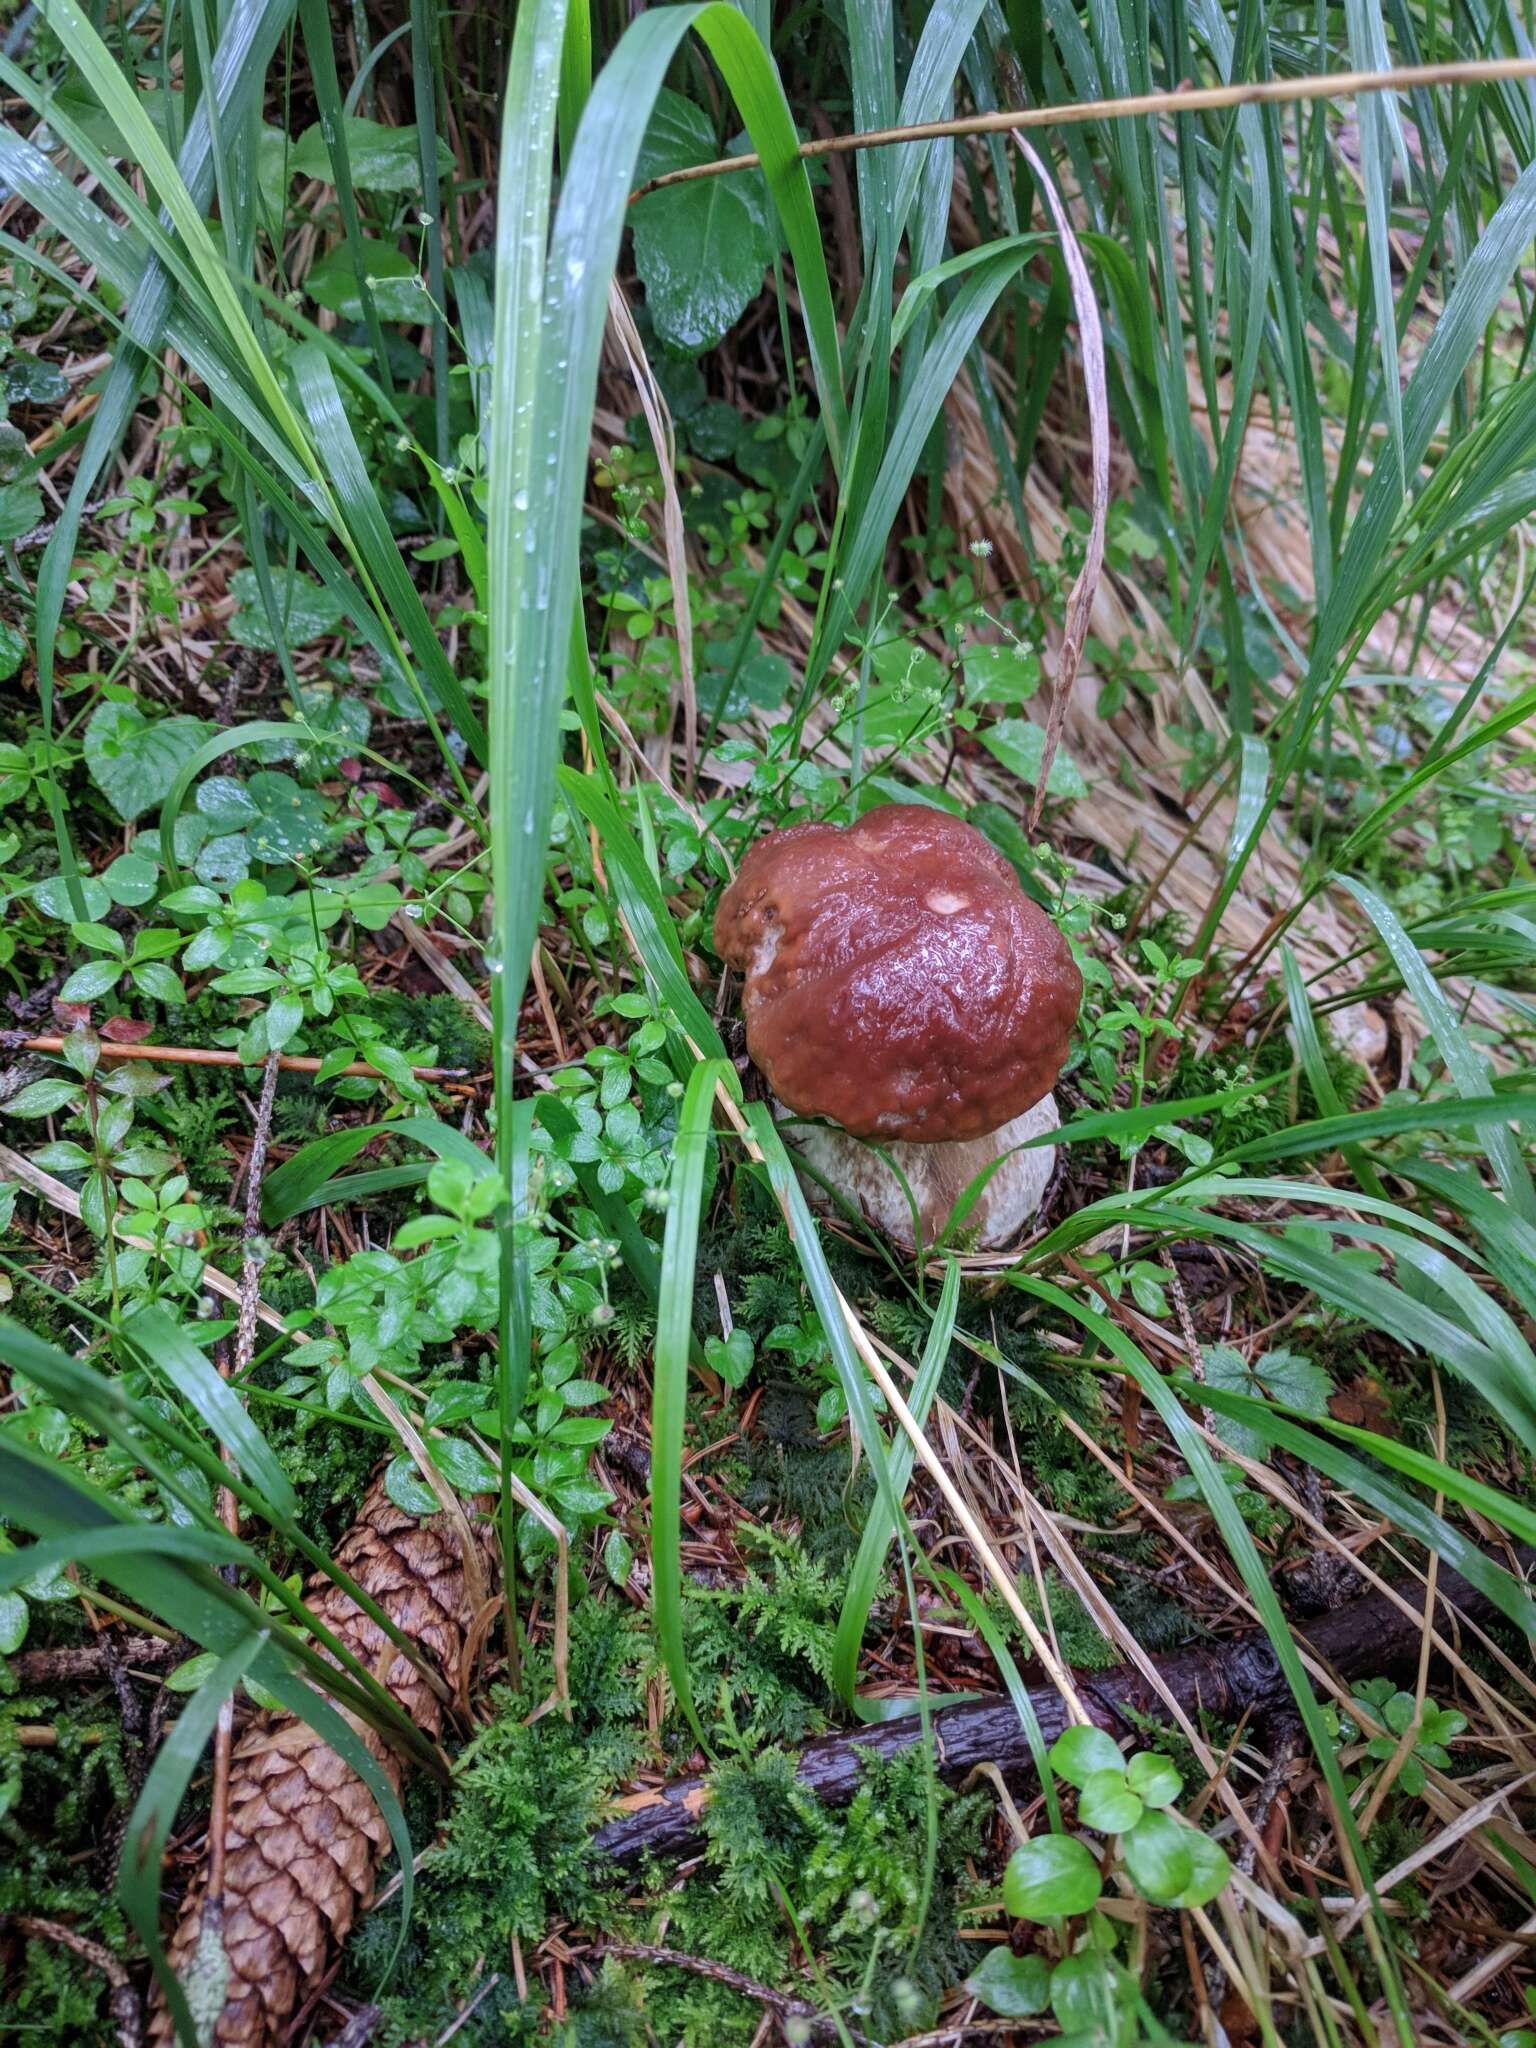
<point>898,979</point>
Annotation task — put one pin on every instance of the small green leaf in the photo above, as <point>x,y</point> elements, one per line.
<point>452,1400</point>
<point>1006,674</point>
<point>465,1467</point>
<point>130,880</point>
<point>42,1098</point>
<point>1078,1752</point>
<point>1159,1858</point>
<point>379,158</point>
<point>1050,1876</point>
<point>284,1016</point>
<point>1107,1803</point>
<point>159,982</point>
<point>618,1557</point>
<point>1284,1376</point>
<point>1211,1870</point>
<point>731,1356</point>
<point>89,983</point>
<point>1020,746</point>
<point>1153,1779</point>
<point>13,1623</point>
<point>305,609</point>
<point>407,1489</point>
<point>191,1673</point>
<point>1014,1987</point>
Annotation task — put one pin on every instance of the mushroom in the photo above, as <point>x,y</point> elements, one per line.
<point>900,985</point>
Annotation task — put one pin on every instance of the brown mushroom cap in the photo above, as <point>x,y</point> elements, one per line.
<point>898,979</point>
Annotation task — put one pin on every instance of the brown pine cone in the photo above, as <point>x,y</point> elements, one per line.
<point>305,1837</point>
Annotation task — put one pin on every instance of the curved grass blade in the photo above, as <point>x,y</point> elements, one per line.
<point>879,1530</point>
<point>669,1393</point>
<point>1283,1428</point>
<point>300,1182</point>
<point>167,1348</point>
<point>154,1815</point>
<point>1466,1066</point>
<point>377,557</point>
<point>1235,1534</point>
<point>253,734</point>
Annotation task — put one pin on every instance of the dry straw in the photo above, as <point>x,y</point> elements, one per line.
<point>1194,99</point>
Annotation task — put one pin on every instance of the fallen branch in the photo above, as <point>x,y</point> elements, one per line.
<point>1365,1638</point>
<point>37,1670</point>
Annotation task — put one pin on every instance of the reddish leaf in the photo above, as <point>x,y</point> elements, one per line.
<point>126,1030</point>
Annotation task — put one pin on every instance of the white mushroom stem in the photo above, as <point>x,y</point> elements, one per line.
<point>936,1175</point>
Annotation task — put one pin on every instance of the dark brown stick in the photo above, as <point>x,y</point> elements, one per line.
<point>40,1669</point>
<point>1368,1637</point>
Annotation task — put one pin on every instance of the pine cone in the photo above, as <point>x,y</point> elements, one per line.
<point>305,1836</point>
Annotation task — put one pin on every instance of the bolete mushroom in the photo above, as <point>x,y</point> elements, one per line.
<point>900,985</point>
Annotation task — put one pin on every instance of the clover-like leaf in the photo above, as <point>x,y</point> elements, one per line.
<point>1153,1779</point>
<point>1284,1376</point>
<point>1080,1751</point>
<point>1107,1803</point>
<point>1050,1876</point>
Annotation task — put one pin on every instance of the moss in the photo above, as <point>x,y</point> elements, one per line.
<point>854,1884</point>
<point>514,1848</point>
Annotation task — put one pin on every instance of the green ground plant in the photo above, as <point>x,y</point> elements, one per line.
<point>427,567</point>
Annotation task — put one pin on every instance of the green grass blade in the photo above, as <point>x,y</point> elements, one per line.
<point>298,1183</point>
<point>879,1530</point>
<point>1465,1065</point>
<point>1235,1534</point>
<point>669,1393</point>
<point>320,48</point>
<point>376,555</point>
<point>154,1815</point>
<point>165,1347</point>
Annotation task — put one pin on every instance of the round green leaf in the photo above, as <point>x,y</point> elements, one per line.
<point>1153,1779</point>
<point>1159,1858</point>
<point>1050,1876</point>
<point>1211,1871</point>
<point>1078,1752</point>
<point>1012,1986</point>
<point>1107,1803</point>
<point>130,879</point>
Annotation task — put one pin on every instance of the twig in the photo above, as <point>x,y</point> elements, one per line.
<point>1372,1634</point>
<point>229,1507</point>
<point>784,2003</point>
<point>214,1056</point>
<point>251,1259</point>
<point>40,1669</point>
<point>124,2000</point>
<point>1197,99</point>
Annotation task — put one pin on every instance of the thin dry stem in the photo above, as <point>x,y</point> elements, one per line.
<point>1200,99</point>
